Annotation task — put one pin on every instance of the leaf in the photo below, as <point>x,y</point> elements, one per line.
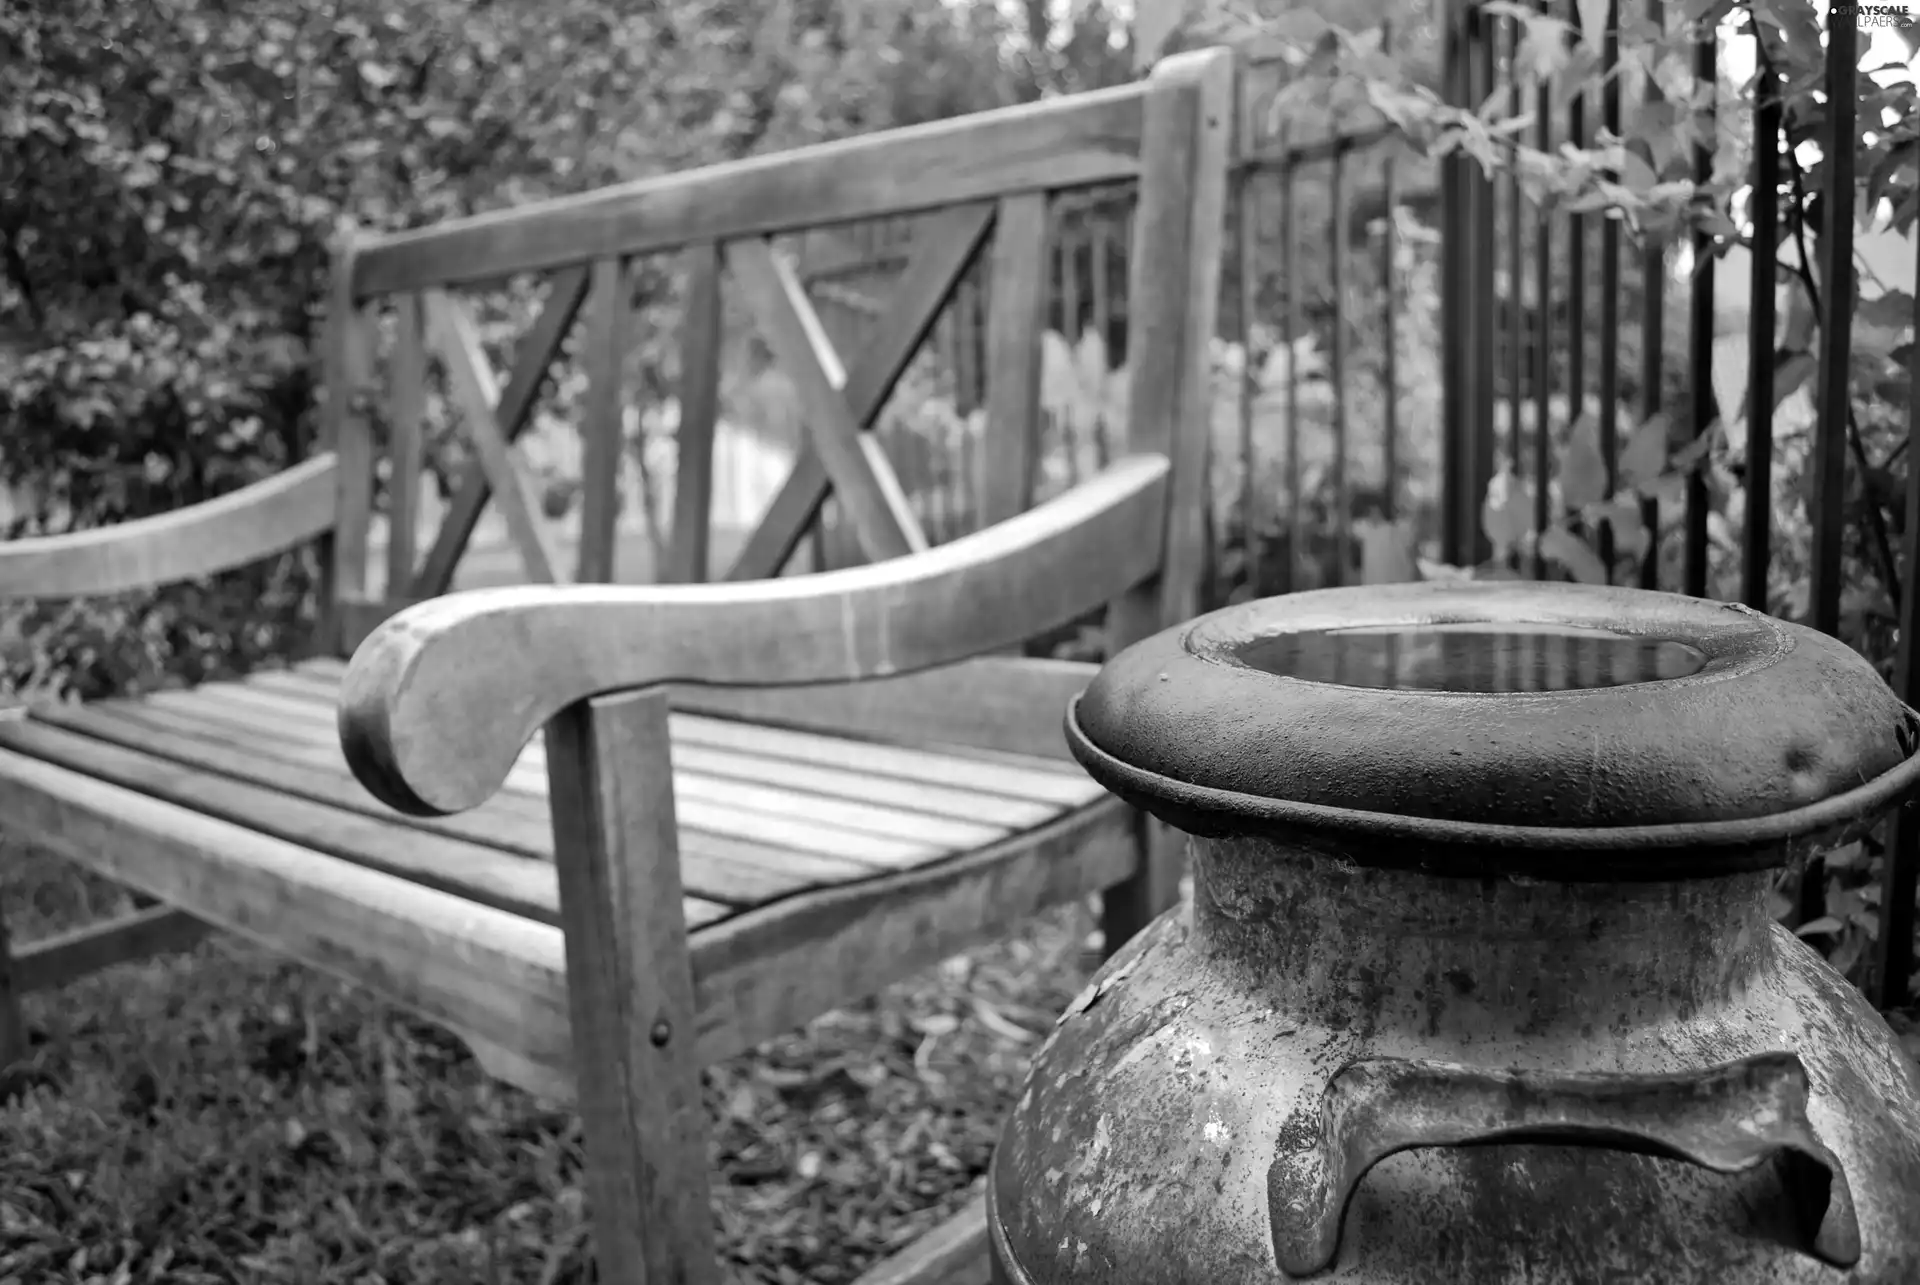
<point>1543,50</point>
<point>1442,572</point>
<point>1637,175</point>
<point>1593,21</point>
<point>1506,513</point>
<point>1892,310</point>
<point>1669,490</point>
<point>1562,546</point>
<point>1090,362</point>
<point>1817,927</point>
<point>1803,320</point>
<point>1645,456</point>
<point>1583,473</point>
<point>1885,168</point>
<point>1730,375</point>
<point>1847,854</point>
<point>1790,375</point>
<point>1630,535</point>
<point>1154,22</point>
<point>1653,125</point>
<point>1387,551</point>
<point>1059,378</point>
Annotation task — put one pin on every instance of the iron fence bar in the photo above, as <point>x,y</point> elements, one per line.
<point>1579,134</point>
<point>1543,332</point>
<point>1610,292</point>
<point>1836,327</point>
<point>1069,297</point>
<point>1290,331</point>
<point>1764,210</point>
<point>1246,247</point>
<point>1456,373</point>
<point>1337,360</point>
<point>1482,448</point>
<point>1653,347</point>
<point>1700,326</point>
<point>1390,354</point>
<point>1894,960</point>
<point>1516,235</point>
<point>1102,266</point>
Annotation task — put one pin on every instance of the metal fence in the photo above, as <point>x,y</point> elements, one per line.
<point>1542,315</point>
<point>1521,334</point>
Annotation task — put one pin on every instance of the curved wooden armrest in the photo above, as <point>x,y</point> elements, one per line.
<point>231,530</point>
<point>440,700</point>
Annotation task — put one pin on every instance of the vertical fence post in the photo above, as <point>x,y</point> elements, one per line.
<point>1836,329</point>
<point>1836,335</point>
<point>1543,333</point>
<point>1653,291</point>
<point>1609,372</point>
<point>1514,315</point>
<point>1342,499</point>
<point>1763,285</point>
<point>1455,353</point>
<point>1467,297</point>
<point>1290,337</point>
<point>1580,135</point>
<point>1246,251</point>
<point>1390,349</point>
<point>1480,458</point>
<point>1700,320</point>
<point>1894,964</point>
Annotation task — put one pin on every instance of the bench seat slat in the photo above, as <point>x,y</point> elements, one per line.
<point>483,874</point>
<point>762,818</point>
<point>747,790</point>
<point>904,794</point>
<point>498,978</point>
<point>703,805</point>
<point>745,794</point>
<point>716,868</point>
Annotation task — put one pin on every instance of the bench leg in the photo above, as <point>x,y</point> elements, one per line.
<point>630,991</point>
<point>13,1026</point>
<point>1128,907</point>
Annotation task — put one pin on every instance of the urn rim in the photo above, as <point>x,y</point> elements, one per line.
<point>1779,740</point>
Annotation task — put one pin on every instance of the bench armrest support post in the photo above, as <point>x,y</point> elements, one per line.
<point>630,988</point>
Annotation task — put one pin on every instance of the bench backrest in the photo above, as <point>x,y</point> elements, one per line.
<point>983,187</point>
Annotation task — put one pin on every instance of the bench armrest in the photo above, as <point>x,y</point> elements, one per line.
<point>231,530</point>
<point>440,700</point>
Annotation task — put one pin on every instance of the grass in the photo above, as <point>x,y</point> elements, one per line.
<point>229,1116</point>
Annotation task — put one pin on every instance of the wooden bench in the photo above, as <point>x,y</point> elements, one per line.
<point>754,800</point>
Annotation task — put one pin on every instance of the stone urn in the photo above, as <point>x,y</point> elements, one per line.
<point>1479,982</point>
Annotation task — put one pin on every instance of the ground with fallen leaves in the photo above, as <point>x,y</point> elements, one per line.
<point>229,1116</point>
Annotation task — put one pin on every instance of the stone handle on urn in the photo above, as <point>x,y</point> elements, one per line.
<point>1726,1118</point>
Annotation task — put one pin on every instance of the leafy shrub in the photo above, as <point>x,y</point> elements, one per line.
<point>175,172</point>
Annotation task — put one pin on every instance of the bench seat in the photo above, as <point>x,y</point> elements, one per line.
<point>815,866</point>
